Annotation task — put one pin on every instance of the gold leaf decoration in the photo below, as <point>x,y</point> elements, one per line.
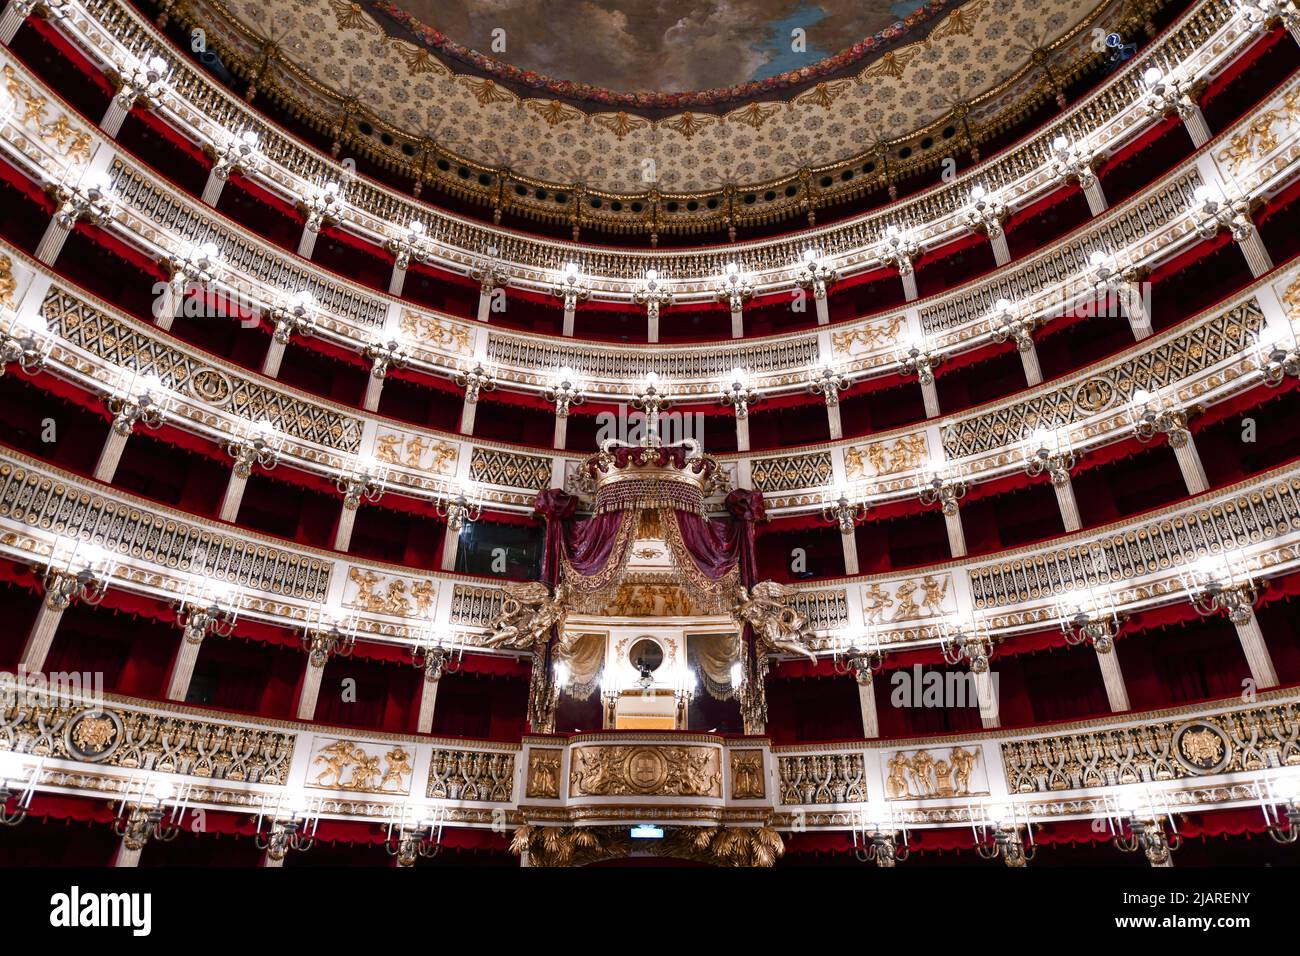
<point>824,94</point>
<point>553,111</point>
<point>620,124</point>
<point>755,114</point>
<point>351,16</point>
<point>486,91</point>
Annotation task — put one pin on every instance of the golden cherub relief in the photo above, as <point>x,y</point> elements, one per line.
<point>885,457</point>
<point>414,451</point>
<point>649,600</point>
<point>388,594</point>
<point>434,332</point>
<point>923,775</point>
<point>910,600</point>
<point>365,772</point>
<point>868,338</point>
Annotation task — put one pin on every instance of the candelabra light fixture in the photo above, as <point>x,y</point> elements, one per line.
<point>828,382</point>
<point>1137,819</point>
<point>1006,324</point>
<point>13,769</point>
<point>984,213</point>
<point>877,832</point>
<point>735,288</point>
<point>1217,212</point>
<point>1001,831</point>
<point>146,817</point>
<point>1222,583</point>
<point>1278,354</point>
<point>457,505</point>
<point>75,571</point>
<point>816,274</point>
<point>415,831</point>
<point>941,483</point>
<point>475,381</point>
<point>208,607</point>
<point>1152,415</point>
<point>145,81</point>
<point>652,400</point>
<point>240,152</point>
<point>436,654</point>
<point>653,294</point>
<point>1072,162</point>
<point>1263,14</point>
<point>740,394</point>
<point>915,358</point>
<point>1166,94</point>
<point>411,243</point>
<point>323,205</point>
<point>899,249</point>
<point>846,510</point>
<point>685,686</point>
<point>137,400</point>
<point>328,633</point>
<point>387,354</point>
<point>859,654</point>
<point>89,199</point>
<point>287,825</point>
<point>364,481</point>
<point>571,287</point>
<point>255,443</point>
<point>296,316</point>
<point>1090,615</point>
<point>564,392</point>
<point>25,340</point>
<point>1279,799</point>
<point>1049,452</point>
<point>969,641</point>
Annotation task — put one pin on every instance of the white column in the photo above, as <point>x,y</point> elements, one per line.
<point>114,116</point>
<point>274,355</point>
<point>396,281</point>
<point>1257,257</point>
<point>1113,677</point>
<point>867,704</point>
<point>956,535</point>
<point>833,418</point>
<point>484,303</point>
<point>561,431</point>
<point>450,546</point>
<point>343,536</point>
<point>652,326</point>
<point>109,456</point>
<point>1189,463</point>
<point>428,699</point>
<point>738,325</point>
<point>850,544</point>
<point>823,310</point>
<point>170,303</point>
<point>51,243</point>
<point>178,685</point>
<point>569,314</point>
<point>1262,671</point>
<point>126,856</point>
<point>39,639</point>
<point>1065,500</point>
<point>213,187</point>
<point>467,417</point>
<point>374,388</point>
<point>910,293</point>
<point>1001,252</point>
<point>307,242</point>
<point>310,691</point>
<point>12,19</point>
<point>1135,309</point>
<point>990,715</point>
<point>233,497</point>
<point>1194,120</point>
<point>742,434</point>
<point>930,395</point>
<point>1096,198</point>
<point>1029,360</point>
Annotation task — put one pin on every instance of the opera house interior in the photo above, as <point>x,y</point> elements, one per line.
<point>733,433</point>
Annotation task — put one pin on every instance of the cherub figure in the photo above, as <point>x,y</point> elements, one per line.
<point>777,626</point>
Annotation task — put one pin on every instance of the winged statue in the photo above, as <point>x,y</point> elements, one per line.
<point>779,627</point>
<point>528,612</point>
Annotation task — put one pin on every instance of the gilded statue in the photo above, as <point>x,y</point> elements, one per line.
<point>777,626</point>
<point>8,284</point>
<point>528,612</point>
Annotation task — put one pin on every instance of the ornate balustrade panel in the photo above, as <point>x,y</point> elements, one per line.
<point>73,739</point>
